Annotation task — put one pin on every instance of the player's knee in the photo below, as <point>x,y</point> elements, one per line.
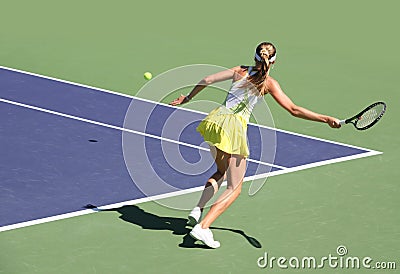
<point>212,183</point>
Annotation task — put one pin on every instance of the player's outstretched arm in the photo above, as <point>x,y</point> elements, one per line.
<point>208,80</point>
<point>297,111</point>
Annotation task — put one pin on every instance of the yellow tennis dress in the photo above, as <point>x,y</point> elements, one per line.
<point>226,126</point>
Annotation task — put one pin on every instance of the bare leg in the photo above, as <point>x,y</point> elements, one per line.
<point>213,184</point>
<point>211,187</point>
<point>235,174</point>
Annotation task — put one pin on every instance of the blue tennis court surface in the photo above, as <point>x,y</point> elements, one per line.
<point>62,145</point>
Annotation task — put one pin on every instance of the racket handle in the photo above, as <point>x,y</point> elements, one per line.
<point>342,122</point>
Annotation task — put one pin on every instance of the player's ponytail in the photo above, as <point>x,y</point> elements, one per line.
<point>265,63</point>
<point>264,57</point>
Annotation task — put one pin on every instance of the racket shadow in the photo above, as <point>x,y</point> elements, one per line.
<point>253,241</point>
<point>178,226</point>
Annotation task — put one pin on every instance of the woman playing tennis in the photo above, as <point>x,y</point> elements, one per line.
<point>225,130</point>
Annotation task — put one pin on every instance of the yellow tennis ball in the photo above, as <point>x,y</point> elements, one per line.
<point>147,75</point>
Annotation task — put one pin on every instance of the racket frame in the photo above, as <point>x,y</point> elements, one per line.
<point>350,120</point>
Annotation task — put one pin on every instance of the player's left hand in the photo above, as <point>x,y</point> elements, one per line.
<point>179,101</point>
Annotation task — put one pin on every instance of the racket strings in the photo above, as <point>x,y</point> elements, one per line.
<point>369,116</point>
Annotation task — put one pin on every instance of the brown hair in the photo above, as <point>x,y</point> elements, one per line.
<point>265,51</point>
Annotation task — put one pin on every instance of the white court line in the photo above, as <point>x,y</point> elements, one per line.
<point>121,129</point>
<point>172,194</point>
<point>89,211</point>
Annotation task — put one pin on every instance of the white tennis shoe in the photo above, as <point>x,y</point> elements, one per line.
<point>194,216</point>
<point>205,235</point>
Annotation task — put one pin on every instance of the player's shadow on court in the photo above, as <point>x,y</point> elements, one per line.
<point>135,215</point>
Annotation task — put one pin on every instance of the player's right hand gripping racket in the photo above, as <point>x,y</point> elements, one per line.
<point>368,117</point>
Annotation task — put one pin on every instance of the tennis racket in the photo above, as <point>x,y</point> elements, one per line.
<point>368,117</point>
